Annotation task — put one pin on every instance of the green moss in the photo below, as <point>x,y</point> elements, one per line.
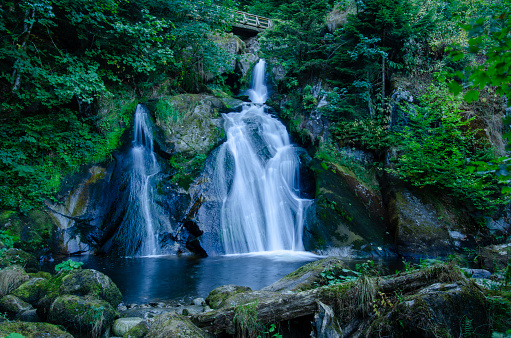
<point>138,331</point>
<point>33,330</point>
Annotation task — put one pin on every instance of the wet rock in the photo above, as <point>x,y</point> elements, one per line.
<point>13,306</point>
<point>174,325</point>
<point>146,313</point>
<point>305,277</point>
<point>81,315</point>
<point>33,330</point>
<point>216,298</point>
<point>121,326</point>
<point>31,290</point>
<point>477,273</point>
<point>11,278</point>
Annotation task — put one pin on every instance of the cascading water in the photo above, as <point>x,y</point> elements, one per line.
<point>261,207</point>
<point>137,230</point>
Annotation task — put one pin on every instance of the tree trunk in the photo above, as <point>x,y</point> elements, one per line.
<point>27,28</point>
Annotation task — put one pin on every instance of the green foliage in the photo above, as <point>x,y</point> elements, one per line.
<point>436,147</point>
<point>8,239</point>
<point>68,265</point>
<point>186,168</point>
<point>296,37</point>
<point>14,335</point>
<point>245,320</point>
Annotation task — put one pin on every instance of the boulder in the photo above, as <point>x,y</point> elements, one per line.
<point>138,331</point>
<point>33,330</point>
<point>121,326</point>
<point>13,306</point>
<point>441,309</point>
<point>306,276</point>
<point>82,315</point>
<point>11,278</point>
<point>88,282</point>
<point>189,123</point>
<point>19,257</point>
<point>424,225</point>
<point>216,298</point>
<point>174,325</point>
<point>31,290</point>
<point>29,316</point>
<point>495,256</point>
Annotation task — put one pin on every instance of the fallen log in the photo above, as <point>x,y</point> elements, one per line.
<point>282,307</point>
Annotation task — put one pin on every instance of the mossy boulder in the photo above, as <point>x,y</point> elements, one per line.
<point>445,310</point>
<point>174,325</point>
<point>31,290</point>
<point>138,331</point>
<point>11,278</point>
<point>84,316</point>
<point>33,330</point>
<point>306,276</point>
<point>190,123</point>
<point>18,257</point>
<point>216,298</point>
<point>40,274</point>
<point>424,224</point>
<point>13,306</point>
<point>121,326</point>
<point>88,282</point>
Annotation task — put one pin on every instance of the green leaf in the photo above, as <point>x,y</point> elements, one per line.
<point>472,95</point>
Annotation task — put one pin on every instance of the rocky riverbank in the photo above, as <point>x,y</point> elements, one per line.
<point>321,299</point>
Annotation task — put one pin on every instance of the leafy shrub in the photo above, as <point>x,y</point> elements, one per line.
<point>68,265</point>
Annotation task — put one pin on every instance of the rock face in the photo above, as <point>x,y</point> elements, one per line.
<point>422,224</point>
<point>348,214</point>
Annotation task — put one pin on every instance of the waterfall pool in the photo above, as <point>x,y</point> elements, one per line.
<point>180,279</point>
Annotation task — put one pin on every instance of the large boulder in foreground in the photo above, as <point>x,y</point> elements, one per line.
<point>88,282</point>
<point>83,316</point>
<point>33,330</point>
<point>11,278</point>
<point>174,325</point>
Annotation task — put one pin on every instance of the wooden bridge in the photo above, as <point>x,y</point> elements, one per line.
<point>249,24</point>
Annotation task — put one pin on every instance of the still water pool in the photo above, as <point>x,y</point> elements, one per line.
<point>172,278</point>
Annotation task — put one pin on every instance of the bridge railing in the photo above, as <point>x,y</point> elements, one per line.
<point>252,20</point>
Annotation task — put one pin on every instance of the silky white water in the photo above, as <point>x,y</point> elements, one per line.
<point>137,230</point>
<point>257,179</point>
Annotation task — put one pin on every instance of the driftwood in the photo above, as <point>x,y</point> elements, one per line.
<point>283,307</point>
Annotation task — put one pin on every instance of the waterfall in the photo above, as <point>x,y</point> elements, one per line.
<point>257,180</point>
<point>137,229</point>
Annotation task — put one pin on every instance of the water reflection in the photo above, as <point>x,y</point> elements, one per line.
<point>172,278</point>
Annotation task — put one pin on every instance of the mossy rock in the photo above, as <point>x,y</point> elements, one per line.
<point>11,278</point>
<point>13,306</point>
<point>174,325</point>
<point>121,326</point>
<point>33,330</point>
<point>40,274</point>
<point>82,315</point>
<point>306,276</point>
<point>18,257</point>
<point>138,331</point>
<point>218,296</point>
<point>88,282</point>
<point>437,310</point>
<point>31,290</point>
